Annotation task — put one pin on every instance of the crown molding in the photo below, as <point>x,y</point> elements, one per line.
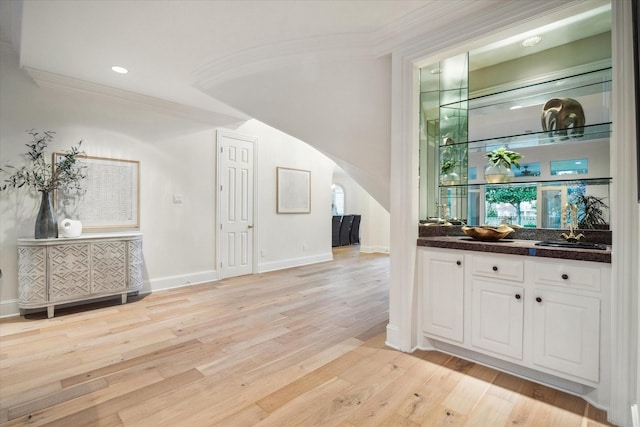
<point>438,24</point>
<point>282,55</point>
<point>349,46</point>
<point>52,80</point>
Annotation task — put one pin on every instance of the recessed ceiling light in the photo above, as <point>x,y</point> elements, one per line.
<point>119,70</point>
<point>531,41</point>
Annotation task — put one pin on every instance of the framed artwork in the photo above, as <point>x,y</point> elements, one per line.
<point>293,191</point>
<point>110,197</point>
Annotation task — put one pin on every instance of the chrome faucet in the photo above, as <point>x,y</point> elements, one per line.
<point>571,209</point>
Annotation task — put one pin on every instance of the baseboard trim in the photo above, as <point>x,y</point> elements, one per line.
<point>581,390</point>
<point>9,308</point>
<point>181,280</point>
<point>393,337</point>
<point>374,249</point>
<point>294,262</point>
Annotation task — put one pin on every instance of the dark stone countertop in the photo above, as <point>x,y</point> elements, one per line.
<point>453,238</point>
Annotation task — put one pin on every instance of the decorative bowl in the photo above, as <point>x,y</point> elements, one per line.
<point>488,233</point>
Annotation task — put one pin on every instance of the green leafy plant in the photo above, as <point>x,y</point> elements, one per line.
<point>503,157</point>
<point>67,174</point>
<point>448,166</point>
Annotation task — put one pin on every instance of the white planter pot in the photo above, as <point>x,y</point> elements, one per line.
<point>498,174</point>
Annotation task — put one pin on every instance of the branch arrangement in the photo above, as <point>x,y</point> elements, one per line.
<point>67,174</point>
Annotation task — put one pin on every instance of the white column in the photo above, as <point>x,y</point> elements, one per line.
<point>625,218</point>
<point>404,204</point>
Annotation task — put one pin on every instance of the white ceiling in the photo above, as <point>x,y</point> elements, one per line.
<point>163,43</point>
<point>319,70</point>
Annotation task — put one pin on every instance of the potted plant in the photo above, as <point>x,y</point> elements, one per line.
<point>447,174</point>
<point>500,162</point>
<point>39,175</point>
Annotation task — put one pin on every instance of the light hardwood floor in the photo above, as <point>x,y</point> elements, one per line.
<point>301,347</point>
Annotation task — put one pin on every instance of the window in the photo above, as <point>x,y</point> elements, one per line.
<point>514,204</point>
<point>337,200</point>
<point>570,167</point>
<point>472,173</point>
<point>528,169</point>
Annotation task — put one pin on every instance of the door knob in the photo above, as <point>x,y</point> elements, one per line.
<point>250,226</point>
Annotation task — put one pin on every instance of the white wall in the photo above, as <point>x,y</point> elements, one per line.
<point>288,240</point>
<point>339,104</point>
<point>374,225</point>
<point>177,156</point>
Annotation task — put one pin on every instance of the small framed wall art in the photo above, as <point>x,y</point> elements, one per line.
<point>293,191</point>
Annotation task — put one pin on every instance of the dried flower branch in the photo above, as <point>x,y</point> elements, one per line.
<point>67,174</point>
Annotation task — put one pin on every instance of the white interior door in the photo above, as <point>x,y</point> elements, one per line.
<point>236,203</point>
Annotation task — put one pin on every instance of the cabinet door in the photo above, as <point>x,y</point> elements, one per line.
<point>566,334</point>
<point>443,295</point>
<point>32,274</point>
<point>135,264</point>
<point>497,318</point>
<point>68,272</point>
<point>108,267</point>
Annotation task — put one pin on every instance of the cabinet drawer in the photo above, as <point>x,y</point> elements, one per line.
<point>567,275</point>
<point>498,268</point>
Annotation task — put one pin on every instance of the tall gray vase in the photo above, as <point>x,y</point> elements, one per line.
<point>46,223</point>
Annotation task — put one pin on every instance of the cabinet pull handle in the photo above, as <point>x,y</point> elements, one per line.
<point>495,268</point>
<point>538,299</point>
<point>518,296</point>
<point>565,276</point>
<point>458,263</point>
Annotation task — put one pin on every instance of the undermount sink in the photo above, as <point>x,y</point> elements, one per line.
<point>575,245</point>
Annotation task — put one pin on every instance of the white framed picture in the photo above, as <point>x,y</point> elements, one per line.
<point>293,191</point>
<point>110,197</point>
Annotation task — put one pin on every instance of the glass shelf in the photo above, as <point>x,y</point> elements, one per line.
<point>527,182</point>
<point>589,133</point>
<point>461,126</point>
<point>577,85</point>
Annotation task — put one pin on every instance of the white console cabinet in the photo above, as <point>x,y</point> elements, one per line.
<point>544,315</point>
<point>59,271</point>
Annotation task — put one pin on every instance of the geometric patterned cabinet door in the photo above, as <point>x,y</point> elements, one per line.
<point>68,271</point>
<point>32,270</point>
<point>135,263</point>
<point>108,267</point>
<point>59,271</point>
